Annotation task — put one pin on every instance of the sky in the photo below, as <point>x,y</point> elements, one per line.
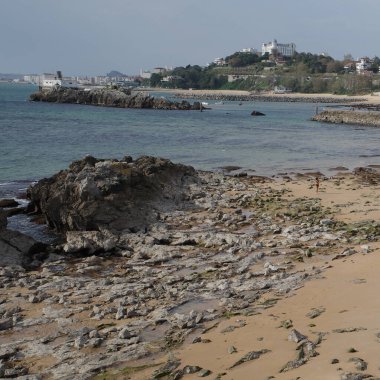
<point>93,37</point>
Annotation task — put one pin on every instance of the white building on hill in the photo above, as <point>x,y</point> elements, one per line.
<point>287,50</point>
<point>363,65</point>
<point>248,50</point>
<point>219,61</point>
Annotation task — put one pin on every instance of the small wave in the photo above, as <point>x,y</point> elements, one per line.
<point>14,189</point>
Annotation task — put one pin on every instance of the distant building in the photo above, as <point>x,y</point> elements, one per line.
<point>32,78</point>
<point>159,70</point>
<point>219,61</point>
<point>363,65</point>
<point>101,80</point>
<point>48,80</point>
<point>145,74</point>
<point>171,78</point>
<point>281,90</point>
<point>56,80</point>
<point>286,50</point>
<point>248,50</point>
<point>350,67</point>
<point>235,77</point>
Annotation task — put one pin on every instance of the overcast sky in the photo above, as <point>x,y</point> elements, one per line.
<point>95,36</point>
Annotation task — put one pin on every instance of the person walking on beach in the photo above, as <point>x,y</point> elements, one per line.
<point>317,183</point>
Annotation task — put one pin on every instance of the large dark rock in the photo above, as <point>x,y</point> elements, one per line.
<point>8,203</point>
<point>3,219</point>
<point>93,195</point>
<point>257,113</point>
<point>110,98</point>
<point>17,249</point>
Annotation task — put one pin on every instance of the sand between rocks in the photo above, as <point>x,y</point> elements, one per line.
<point>347,292</point>
<point>343,289</point>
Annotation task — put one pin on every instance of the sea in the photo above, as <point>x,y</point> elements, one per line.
<point>39,139</point>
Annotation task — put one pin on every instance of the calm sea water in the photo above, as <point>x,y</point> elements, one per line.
<point>38,139</point>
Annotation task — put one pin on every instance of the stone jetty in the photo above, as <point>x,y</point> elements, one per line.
<point>367,118</point>
<point>110,98</point>
<point>269,98</point>
<point>155,254</point>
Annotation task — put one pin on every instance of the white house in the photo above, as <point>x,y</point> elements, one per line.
<point>145,74</point>
<point>56,80</point>
<point>49,80</point>
<point>287,50</point>
<point>219,61</point>
<point>248,50</point>
<point>364,64</point>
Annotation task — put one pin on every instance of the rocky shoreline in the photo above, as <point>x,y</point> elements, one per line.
<point>155,254</point>
<point>269,98</point>
<point>367,118</point>
<point>110,98</point>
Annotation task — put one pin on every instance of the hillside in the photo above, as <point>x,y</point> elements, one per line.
<point>303,72</point>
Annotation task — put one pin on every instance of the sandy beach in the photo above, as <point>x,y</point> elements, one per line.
<point>263,279</point>
<point>337,311</point>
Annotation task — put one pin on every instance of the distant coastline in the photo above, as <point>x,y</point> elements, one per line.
<point>240,95</point>
<point>15,82</point>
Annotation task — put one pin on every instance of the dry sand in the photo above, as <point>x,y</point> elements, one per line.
<point>346,291</point>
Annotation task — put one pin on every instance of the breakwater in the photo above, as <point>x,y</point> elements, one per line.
<point>368,118</point>
<point>269,98</point>
<point>110,98</point>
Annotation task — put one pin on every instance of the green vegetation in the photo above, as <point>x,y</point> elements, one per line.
<point>189,77</point>
<point>303,72</point>
<point>239,59</point>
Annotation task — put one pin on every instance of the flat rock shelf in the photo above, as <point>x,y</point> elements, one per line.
<point>368,118</point>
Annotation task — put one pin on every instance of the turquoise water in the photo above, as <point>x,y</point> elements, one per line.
<point>38,139</point>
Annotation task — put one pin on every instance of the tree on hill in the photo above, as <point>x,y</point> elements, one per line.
<point>240,59</point>
<point>155,80</point>
<point>315,63</point>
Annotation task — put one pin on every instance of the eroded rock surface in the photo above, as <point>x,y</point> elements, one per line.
<point>215,246</point>
<point>110,98</point>
<point>115,195</point>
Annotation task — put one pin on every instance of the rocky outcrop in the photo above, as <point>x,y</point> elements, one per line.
<point>114,195</point>
<point>110,98</point>
<point>257,113</point>
<point>16,249</point>
<point>349,117</point>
